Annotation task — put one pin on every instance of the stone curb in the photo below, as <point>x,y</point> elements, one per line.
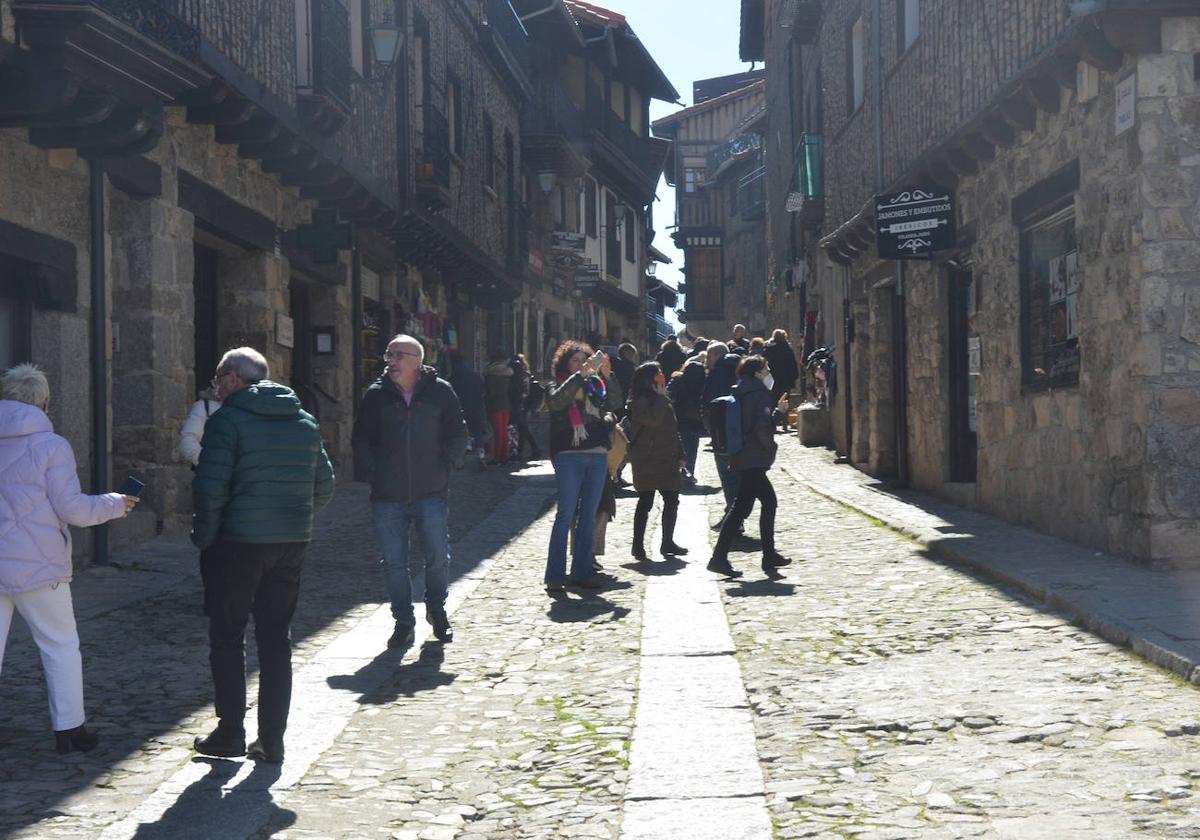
<point>1065,603</point>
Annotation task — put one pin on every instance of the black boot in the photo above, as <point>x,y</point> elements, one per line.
<point>74,740</point>
<point>639,535</point>
<point>670,514</point>
<point>226,741</point>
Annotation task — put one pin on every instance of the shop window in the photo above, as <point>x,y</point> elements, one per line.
<point>908,24</point>
<point>15,316</point>
<point>454,116</point>
<point>856,65</point>
<point>489,152</point>
<point>629,234</point>
<point>612,256</point>
<point>1051,281</point>
<point>589,207</point>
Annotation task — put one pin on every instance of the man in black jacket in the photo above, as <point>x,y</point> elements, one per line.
<point>409,434</point>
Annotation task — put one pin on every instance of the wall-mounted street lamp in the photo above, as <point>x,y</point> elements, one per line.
<point>546,182</point>
<point>386,40</point>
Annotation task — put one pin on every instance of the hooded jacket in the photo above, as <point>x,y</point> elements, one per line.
<point>405,452</point>
<point>721,378</point>
<point>39,498</point>
<point>654,448</point>
<point>758,429</point>
<point>687,393</point>
<point>263,472</point>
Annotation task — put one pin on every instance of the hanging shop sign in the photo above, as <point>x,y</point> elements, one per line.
<point>912,224</point>
<point>567,249</point>
<point>587,276</point>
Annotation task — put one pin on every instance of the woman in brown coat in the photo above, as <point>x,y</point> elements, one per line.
<point>656,455</point>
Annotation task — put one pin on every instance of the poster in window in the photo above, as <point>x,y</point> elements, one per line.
<point>1072,316</point>
<point>1058,322</point>
<point>1073,274</point>
<point>1058,278</point>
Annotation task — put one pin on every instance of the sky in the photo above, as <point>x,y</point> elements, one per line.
<point>690,40</point>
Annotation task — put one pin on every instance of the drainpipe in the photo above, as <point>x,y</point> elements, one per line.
<point>899,347</point>
<point>847,376</point>
<point>100,467</point>
<point>356,314</point>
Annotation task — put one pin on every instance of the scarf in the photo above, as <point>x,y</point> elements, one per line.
<point>586,403</point>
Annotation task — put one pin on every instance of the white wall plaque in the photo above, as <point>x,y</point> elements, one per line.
<point>285,330</point>
<point>1126,103</point>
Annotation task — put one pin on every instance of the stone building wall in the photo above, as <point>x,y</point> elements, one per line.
<point>1167,348</point>
<point>454,44</point>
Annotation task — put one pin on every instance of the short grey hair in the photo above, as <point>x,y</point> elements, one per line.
<point>404,338</point>
<point>246,362</point>
<point>25,383</point>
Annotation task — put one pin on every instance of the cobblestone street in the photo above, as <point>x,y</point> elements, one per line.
<point>872,691</point>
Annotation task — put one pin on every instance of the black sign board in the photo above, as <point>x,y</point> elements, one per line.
<point>587,276</point>
<point>912,224</point>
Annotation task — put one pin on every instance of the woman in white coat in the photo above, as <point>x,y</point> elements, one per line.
<point>39,498</point>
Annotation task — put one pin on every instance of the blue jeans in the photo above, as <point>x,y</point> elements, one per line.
<point>580,484</point>
<point>690,438</point>
<point>392,523</point>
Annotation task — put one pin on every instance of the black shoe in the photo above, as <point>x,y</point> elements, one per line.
<point>441,626</point>
<point>671,548</point>
<point>639,554</point>
<point>403,636</point>
<point>555,587</point>
<point>593,582</point>
<point>722,567</point>
<point>774,560</point>
<point>266,751</point>
<point>74,740</point>
<point>223,742</point>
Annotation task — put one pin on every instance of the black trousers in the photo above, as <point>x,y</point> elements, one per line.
<point>752,484</point>
<point>641,516</point>
<point>521,421</point>
<point>240,580</point>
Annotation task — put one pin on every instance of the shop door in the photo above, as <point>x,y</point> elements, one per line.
<point>964,377</point>
<point>204,291</point>
<point>302,378</point>
<point>15,317</point>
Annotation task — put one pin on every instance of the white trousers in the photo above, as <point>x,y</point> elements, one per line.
<point>51,618</point>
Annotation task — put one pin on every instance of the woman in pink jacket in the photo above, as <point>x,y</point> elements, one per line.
<point>39,498</point>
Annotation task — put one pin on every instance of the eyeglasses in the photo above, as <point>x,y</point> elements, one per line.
<point>396,354</point>
<point>215,382</point>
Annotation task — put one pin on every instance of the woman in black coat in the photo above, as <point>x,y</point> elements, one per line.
<point>750,464</point>
<point>656,455</point>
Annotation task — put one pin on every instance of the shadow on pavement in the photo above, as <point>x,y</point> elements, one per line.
<point>374,686</point>
<point>588,608</point>
<point>670,566</point>
<point>145,664</point>
<point>761,588</point>
<point>205,807</point>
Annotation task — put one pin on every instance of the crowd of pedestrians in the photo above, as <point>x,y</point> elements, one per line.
<point>262,473</point>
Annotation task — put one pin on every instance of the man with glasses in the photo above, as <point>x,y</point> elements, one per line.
<point>409,434</point>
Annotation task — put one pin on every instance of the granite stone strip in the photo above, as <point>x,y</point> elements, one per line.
<point>694,768</point>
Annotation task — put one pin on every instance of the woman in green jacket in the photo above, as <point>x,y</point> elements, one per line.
<point>656,455</point>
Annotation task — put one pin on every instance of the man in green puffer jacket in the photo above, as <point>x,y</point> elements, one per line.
<point>263,474</point>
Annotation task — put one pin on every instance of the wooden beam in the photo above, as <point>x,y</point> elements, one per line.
<point>961,162</point>
<point>322,173</point>
<point>1044,91</point>
<point>978,147</point>
<point>998,132</point>
<point>127,125</point>
<point>342,187</point>
<point>1018,113</point>
<point>1064,70</point>
<point>943,175</point>
<point>284,146</point>
<point>304,161</point>
<point>261,128</point>
<point>231,111</point>
<point>24,94</point>
<point>89,108</point>
<point>1133,32</point>
<point>1098,52</point>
